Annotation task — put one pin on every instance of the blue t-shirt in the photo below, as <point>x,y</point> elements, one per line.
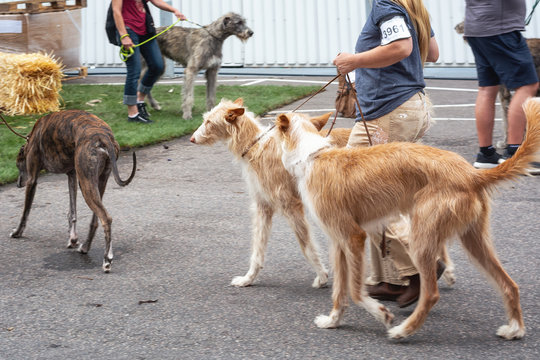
<point>380,91</point>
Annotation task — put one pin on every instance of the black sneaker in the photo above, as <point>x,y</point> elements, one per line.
<point>487,162</point>
<point>141,107</point>
<point>139,118</point>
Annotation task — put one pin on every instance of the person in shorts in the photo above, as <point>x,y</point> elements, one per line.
<point>493,30</point>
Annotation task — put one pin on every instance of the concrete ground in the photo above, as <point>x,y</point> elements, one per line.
<point>181,232</point>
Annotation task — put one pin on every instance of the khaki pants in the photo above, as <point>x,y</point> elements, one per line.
<point>390,261</point>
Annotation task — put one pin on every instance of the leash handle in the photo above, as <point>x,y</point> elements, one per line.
<point>126,53</point>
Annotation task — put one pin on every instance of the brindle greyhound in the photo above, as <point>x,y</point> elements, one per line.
<point>82,146</point>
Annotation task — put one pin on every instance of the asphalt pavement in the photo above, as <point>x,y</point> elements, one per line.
<point>181,232</point>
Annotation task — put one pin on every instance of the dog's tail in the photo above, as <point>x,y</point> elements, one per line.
<point>119,181</point>
<point>526,153</point>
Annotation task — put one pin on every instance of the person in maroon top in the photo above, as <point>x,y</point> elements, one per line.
<point>134,24</point>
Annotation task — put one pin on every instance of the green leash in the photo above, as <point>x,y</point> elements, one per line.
<point>126,53</point>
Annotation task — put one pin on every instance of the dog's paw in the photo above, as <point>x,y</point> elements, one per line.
<point>241,281</point>
<point>398,332</point>
<point>15,234</point>
<point>511,331</point>
<point>73,243</point>
<point>449,277</point>
<point>326,322</point>
<point>83,249</point>
<point>187,115</point>
<point>320,281</point>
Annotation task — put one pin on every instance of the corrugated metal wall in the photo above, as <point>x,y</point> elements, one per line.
<point>290,33</point>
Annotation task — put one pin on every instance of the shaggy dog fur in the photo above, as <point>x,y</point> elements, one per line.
<point>271,187</point>
<point>200,49</point>
<point>352,189</point>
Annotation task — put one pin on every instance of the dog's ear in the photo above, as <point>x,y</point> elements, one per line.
<point>233,114</point>
<point>239,102</point>
<point>283,122</point>
<point>320,121</point>
<point>226,20</point>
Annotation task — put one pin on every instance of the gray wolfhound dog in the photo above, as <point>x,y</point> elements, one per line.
<point>200,48</point>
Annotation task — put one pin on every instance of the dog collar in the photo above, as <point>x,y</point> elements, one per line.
<point>257,140</point>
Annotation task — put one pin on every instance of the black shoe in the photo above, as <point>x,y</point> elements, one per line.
<point>141,107</point>
<point>534,168</point>
<point>139,118</point>
<point>487,162</point>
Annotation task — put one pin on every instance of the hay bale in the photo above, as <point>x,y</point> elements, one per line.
<point>29,83</point>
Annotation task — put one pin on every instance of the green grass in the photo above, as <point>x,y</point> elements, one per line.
<point>105,101</point>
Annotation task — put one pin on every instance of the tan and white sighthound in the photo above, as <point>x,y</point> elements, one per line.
<point>271,187</point>
<point>350,190</point>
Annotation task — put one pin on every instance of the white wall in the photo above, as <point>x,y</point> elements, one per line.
<point>290,33</point>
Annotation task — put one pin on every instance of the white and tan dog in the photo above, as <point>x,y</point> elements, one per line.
<point>271,187</point>
<point>352,189</point>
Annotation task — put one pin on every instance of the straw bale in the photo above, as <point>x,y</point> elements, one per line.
<point>29,83</point>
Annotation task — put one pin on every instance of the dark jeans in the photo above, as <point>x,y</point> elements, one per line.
<point>152,55</point>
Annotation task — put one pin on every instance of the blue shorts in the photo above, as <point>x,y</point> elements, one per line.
<point>503,59</point>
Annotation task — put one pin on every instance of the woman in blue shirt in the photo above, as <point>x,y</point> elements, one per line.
<point>391,51</point>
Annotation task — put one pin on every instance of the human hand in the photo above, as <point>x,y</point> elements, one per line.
<point>127,43</point>
<point>179,15</point>
<point>344,63</point>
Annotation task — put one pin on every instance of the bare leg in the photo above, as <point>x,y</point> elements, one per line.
<point>516,116</point>
<point>485,114</point>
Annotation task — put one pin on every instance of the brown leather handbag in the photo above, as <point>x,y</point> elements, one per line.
<point>345,102</point>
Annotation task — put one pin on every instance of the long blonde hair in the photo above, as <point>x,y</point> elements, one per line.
<point>420,19</point>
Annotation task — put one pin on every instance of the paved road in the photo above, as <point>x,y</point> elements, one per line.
<point>181,231</point>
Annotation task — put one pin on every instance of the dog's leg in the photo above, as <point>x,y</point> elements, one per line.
<point>297,220</point>
<point>72,216</point>
<point>187,91</point>
<point>448,275</point>
<point>428,234</point>
<point>262,222</point>
<point>153,102</point>
<point>429,295</point>
<point>93,195</point>
<point>478,244</point>
<point>355,268</point>
<point>31,185</point>
<point>339,290</point>
<point>211,84</point>
<point>504,96</point>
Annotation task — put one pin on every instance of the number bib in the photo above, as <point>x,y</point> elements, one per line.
<point>394,29</point>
